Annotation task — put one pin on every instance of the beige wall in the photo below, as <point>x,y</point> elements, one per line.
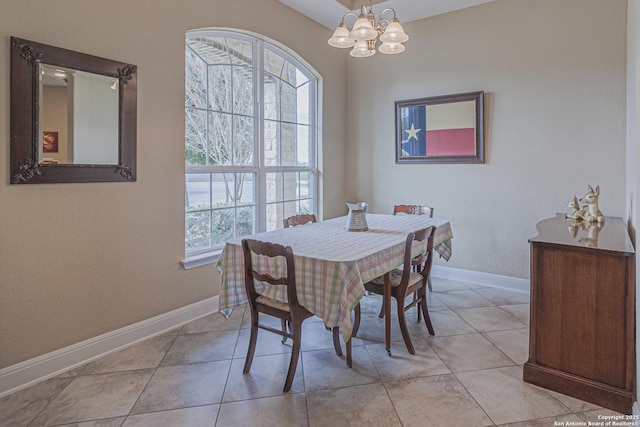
<point>553,73</point>
<point>80,260</point>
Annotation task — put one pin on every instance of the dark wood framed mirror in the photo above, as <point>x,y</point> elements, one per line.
<point>73,116</point>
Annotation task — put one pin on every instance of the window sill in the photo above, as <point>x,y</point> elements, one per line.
<point>199,260</point>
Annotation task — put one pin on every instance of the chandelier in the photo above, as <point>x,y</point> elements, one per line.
<point>364,35</point>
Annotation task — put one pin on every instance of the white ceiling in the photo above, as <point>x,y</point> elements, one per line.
<point>330,12</point>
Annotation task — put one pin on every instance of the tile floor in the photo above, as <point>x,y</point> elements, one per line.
<point>468,374</point>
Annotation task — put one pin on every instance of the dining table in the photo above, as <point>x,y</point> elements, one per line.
<point>332,264</point>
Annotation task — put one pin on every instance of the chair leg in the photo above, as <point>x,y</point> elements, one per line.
<point>403,328</point>
<point>349,356</point>
<point>381,315</point>
<point>336,341</point>
<point>415,297</point>
<point>295,354</point>
<point>429,283</point>
<point>425,311</point>
<point>356,321</point>
<point>252,343</point>
<point>284,329</point>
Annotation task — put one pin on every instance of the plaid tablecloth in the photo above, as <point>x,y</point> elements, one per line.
<point>332,264</point>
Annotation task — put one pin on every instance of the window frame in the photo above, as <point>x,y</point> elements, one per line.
<point>260,44</point>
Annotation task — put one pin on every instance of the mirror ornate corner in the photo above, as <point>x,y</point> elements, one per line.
<point>73,116</point>
<point>441,129</point>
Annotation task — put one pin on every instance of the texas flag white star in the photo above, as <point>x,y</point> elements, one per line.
<point>412,133</point>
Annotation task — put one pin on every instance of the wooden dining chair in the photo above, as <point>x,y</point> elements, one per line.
<point>296,220</point>
<point>413,210</point>
<point>406,281</point>
<point>292,312</point>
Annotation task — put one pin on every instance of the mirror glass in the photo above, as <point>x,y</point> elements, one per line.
<point>73,116</point>
<point>78,117</point>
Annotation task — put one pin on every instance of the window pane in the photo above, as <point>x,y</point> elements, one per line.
<point>290,209</point>
<point>220,139</point>
<point>274,186</point>
<point>245,221</point>
<point>305,181</point>
<point>222,185</point>
<point>223,225</point>
<point>287,145</point>
<point>195,81</point>
<point>289,74</point>
<point>242,140</point>
<point>290,187</point>
<point>302,111</point>
<point>271,145</point>
<point>195,138</point>
<point>241,52</point>
<point>243,90</point>
<point>212,49</point>
<point>197,230</point>
<point>306,206</point>
<point>271,98</point>
<point>274,216</point>
<point>288,101</point>
<point>198,191</point>
<point>302,145</point>
<point>273,63</point>
<point>245,184</point>
<point>220,88</point>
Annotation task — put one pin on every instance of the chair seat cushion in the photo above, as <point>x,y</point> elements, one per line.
<point>396,276</point>
<point>272,303</point>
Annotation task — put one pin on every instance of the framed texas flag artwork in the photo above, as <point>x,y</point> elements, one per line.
<point>440,129</point>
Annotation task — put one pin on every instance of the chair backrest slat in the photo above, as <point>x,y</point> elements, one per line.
<point>270,250</point>
<point>413,210</point>
<point>294,221</point>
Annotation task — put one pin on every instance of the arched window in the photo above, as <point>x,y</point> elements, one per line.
<point>250,138</point>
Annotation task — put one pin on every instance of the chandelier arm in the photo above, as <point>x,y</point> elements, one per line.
<point>386,10</point>
<point>346,15</point>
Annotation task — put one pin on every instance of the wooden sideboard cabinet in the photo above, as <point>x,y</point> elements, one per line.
<point>581,340</point>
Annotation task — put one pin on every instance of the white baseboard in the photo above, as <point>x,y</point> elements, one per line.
<point>29,372</point>
<point>487,279</point>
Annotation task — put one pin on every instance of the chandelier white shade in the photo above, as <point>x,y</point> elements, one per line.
<point>366,31</point>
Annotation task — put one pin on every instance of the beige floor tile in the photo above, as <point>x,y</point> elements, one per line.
<point>487,319</point>
<point>316,337</point>
<point>266,378</point>
<point>519,311</point>
<point>94,397</point>
<point>402,365</point>
<point>595,415</point>
<point>435,402</point>
<point>364,405</point>
<point>215,322</point>
<point>469,352</point>
<point>201,347</point>
<point>107,422</point>
<point>199,416</point>
<point>434,303</point>
<point>576,405</point>
<point>514,343</point>
<point>507,399</point>
<point>287,410</point>
<point>267,343</point>
<point>323,369</point>
<point>499,296</point>
<point>71,372</point>
<point>447,323</point>
<point>147,354</point>
<point>463,299</point>
<point>21,407</point>
<point>181,386</point>
<point>562,420</point>
<point>439,285</point>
